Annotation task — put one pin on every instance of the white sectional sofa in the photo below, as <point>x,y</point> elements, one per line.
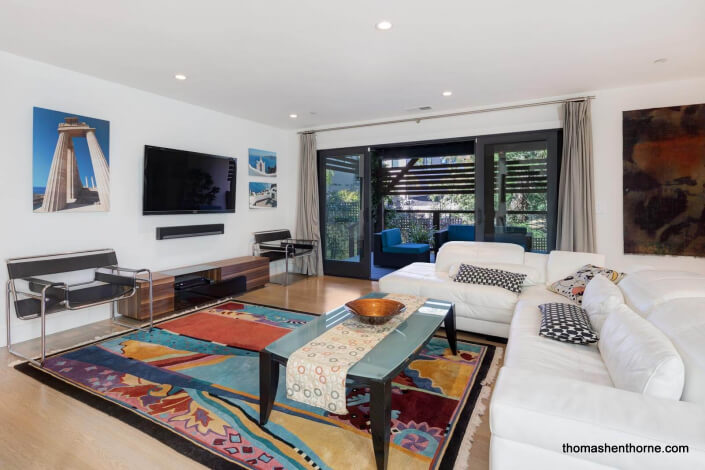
<point>550,393</point>
<point>484,309</point>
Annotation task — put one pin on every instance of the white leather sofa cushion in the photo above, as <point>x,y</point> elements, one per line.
<point>546,411</point>
<point>601,296</point>
<point>644,290</point>
<point>507,454</point>
<point>530,298</point>
<point>538,262</point>
<point>408,280</point>
<point>477,252</point>
<point>541,295</point>
<point>683,321</point>
<point>562,263</point>
<point>488,303</point>
<point>639,357</point>
<point>527,350</point>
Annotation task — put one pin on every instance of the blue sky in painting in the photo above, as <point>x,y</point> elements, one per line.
<point>46,123</point>
<point>269,158</point>
<point>259,187</point>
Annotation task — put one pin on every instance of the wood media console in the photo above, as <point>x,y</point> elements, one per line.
<point>188,286</point>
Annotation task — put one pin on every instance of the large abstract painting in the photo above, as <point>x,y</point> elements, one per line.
<point>71,169</point>
<point>664,180</point>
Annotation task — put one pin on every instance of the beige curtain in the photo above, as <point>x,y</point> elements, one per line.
<point>576,204</point>
<point>307,215</point>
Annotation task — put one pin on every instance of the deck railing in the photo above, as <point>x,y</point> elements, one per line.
<point>413,221</point>
<point>342,226</point>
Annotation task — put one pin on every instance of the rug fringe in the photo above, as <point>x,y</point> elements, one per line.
<point>462,461</point>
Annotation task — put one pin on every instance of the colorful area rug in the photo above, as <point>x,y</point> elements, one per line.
<point>192,383</point>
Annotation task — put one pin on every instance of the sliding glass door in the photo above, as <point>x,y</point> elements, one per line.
<point>344,192</point>
<point>518,190</point>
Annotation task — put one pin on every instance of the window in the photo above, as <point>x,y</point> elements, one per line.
<point>505,184</point>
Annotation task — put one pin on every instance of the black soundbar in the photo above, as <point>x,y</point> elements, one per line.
<point>184,231</point>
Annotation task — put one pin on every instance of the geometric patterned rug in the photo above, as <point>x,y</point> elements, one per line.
<point>193,383</point>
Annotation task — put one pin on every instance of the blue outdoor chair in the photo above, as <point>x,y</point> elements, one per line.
<point>390,252</point>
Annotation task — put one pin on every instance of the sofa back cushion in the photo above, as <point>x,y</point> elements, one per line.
<point>645,290</point>
<point>477,252</point>
<point>562,263</point>
<point>639,357</point>
<point>683,321</point>
<point>391,237</point>
<point>537,261</point>
<point>601,296</point>
<point>461,233</point>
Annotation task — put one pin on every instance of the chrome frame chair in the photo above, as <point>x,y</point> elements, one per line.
<point>45,297</point>
<point>278,244</point>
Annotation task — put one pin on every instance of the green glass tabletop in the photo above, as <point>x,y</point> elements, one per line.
<point>384,358</point>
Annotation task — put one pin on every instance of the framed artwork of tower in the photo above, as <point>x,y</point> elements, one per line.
<point>261,163</point>
<point>70,162</point>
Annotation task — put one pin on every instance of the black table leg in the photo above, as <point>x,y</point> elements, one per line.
<point>268,382</point>
<point>451,332</point>
<point>381,420</point>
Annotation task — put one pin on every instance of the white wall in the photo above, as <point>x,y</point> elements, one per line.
<point>607,134</point>
<point>136,118</point>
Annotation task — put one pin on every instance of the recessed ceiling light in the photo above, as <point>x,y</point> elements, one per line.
<point>384,25</point>
<point>447,93</point>
<point>660,61</point>
<point>293,116</point>
<point>180,76</point>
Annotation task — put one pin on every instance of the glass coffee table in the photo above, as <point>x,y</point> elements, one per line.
<point>375,370</point>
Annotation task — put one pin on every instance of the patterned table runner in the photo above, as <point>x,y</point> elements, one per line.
<point>316,372</point>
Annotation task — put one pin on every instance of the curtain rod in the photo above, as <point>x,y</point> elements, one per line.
<point>446,115</point>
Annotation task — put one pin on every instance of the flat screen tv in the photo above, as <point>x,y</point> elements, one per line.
<point>182,182</point>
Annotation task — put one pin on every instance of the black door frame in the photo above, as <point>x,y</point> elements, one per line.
<point>552,137</point>
<point>361,269</point>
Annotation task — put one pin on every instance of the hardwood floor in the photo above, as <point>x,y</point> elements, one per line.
<point>311,294</point>
<point>43,428</point>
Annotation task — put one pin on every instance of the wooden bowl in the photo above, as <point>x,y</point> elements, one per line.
<point>375,311</point>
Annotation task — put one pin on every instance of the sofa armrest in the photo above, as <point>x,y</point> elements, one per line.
<point>547,411</point>
<point>439,238</point>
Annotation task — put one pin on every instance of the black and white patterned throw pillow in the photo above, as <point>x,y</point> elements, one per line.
<point>567,323</point>
<point>490,277</point>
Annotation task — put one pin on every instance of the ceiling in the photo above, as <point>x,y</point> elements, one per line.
<point>326,61</point>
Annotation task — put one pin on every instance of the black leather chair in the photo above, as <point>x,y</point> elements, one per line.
<point>278,244</point>
<point>43,285</point>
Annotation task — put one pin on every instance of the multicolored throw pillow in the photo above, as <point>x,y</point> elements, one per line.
<point>490,277</point>
<point>573,286</point>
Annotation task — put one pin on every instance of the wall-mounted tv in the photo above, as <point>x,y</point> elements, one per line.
<point>182,182</point>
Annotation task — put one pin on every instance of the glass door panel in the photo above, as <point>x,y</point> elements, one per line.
<point>520,183</point>
<point>344,193</point>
